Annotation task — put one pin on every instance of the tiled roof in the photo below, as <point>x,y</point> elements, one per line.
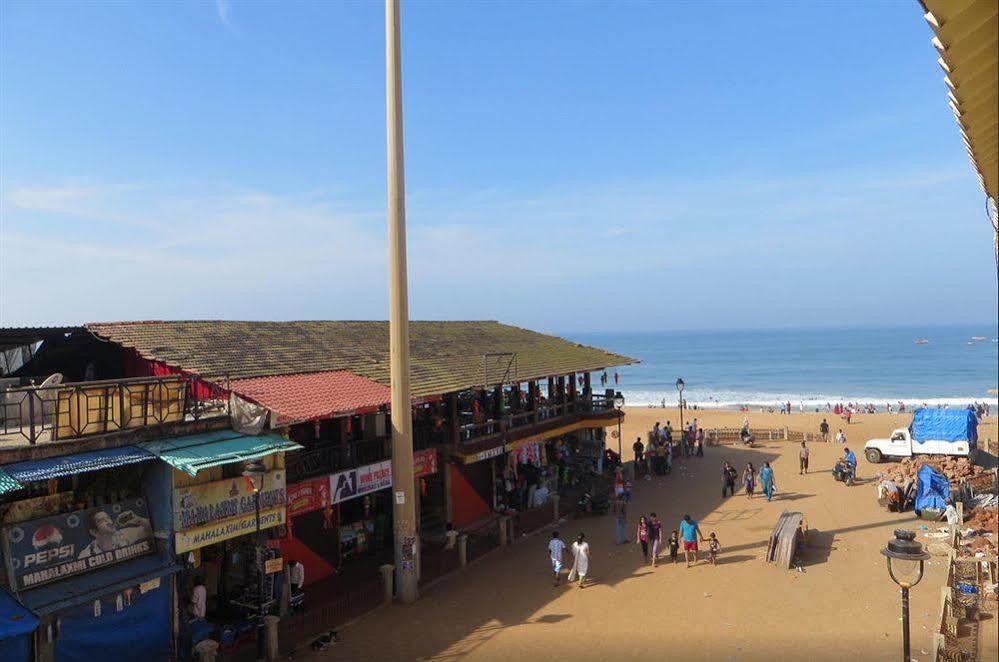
<point>445,356</point>
<point>312,396</point>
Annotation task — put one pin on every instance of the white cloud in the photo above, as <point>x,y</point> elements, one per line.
<point>222,9</point>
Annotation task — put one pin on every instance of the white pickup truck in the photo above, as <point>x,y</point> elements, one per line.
<point>932,432</point>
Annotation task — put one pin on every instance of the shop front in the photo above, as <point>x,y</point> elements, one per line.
<point>346,517</point>
<point>215,510</point>
<point>82,555</point>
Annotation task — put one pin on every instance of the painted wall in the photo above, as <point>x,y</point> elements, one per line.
<point>470,492</point>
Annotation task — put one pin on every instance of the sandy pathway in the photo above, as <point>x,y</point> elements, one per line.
<point>844,604</point>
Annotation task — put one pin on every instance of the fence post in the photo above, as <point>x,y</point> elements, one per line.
<point>387,571</point>
<point>463,550</point>
<point>786,433</point>
<point>503,531</point>
<point>554,498</point>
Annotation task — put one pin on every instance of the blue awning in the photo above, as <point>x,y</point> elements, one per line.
<point>68,465</point>
<point>15,619</point>
<point>193,453</point>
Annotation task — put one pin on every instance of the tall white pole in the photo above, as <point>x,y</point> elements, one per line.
<point>404,509</point>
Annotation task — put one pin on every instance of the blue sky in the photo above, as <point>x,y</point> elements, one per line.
<point>570,166</point>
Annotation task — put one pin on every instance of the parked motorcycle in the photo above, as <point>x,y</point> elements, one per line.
<point>843,472</point>
<point>592,505</point>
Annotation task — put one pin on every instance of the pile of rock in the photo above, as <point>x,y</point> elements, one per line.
<point>955,468</point>
<point>984,519</point>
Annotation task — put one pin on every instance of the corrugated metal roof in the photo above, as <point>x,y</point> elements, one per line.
<point>68,465</point>
<point>445,356</point>
<point>967,38</point>
<point>195,452</point>
<point>8,484</point>
<point>312,396</point>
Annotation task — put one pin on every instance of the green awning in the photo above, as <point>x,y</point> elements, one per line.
<point>193,453</point>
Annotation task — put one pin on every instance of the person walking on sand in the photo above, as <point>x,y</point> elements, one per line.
<point>655,537</point>
<point>556,547</point>
<point>767,480</point>
<point>729,475</point>
<point>803,460</point>
<point>824,430</point>
<point>840,437</point>
<point>638,447</point>
<point>713,548</point>
<point>620,521</point>
<point>749,479</point>
<point>642,536</point>
<point>690,533</point>
<point>674,545</point>
<point>581,564</point>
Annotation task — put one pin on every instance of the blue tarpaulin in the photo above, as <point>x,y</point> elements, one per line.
<point>16,626</point>
<point>944,425</point>
<point>932,489</point>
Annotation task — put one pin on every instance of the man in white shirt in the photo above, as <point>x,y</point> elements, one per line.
<point>555,548</point>
<point>840,437</point>
<point>296,574</point>
<point>199,600</point>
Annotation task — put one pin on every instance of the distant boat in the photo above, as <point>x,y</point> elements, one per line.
<point>922,341</point>
<point>979,338</point>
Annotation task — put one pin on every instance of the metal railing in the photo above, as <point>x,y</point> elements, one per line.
<point>81,409</point>
<point>470,432</point>
<point>330,458</point>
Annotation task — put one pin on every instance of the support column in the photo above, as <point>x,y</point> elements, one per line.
<point>455,418</point>
<point>403,513</point>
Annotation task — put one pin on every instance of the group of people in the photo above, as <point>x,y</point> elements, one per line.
<point>824,432</point>
<point>750,477</point>
<point>657,456</point>
<point>649,536</point>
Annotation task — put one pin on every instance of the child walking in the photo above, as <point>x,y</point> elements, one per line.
<point>643,536</point>
<point>713,548</point>
<point>674,545</point>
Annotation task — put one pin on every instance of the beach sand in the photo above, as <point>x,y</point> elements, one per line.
<point>843,604</point>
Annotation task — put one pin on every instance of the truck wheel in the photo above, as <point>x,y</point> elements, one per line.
<point>873,455</point>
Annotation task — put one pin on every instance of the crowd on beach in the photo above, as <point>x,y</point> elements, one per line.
<point>650,534</point>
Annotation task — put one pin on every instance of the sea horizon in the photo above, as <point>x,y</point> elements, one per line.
<point>808,367</point>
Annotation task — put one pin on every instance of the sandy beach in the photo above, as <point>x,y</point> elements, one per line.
<point>843,604</point>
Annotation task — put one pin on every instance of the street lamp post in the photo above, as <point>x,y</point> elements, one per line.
<point>679,388</point>
<point>254,474</point>
<point>619,405</point>
<point>905,557</point>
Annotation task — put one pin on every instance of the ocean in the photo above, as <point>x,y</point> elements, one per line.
<point>807,367</point>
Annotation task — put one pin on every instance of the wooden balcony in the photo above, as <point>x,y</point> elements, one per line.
<point>60,412</point>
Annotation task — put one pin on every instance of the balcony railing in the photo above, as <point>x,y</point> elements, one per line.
<point>471,432</point>
<point>58,412</point>
<point>330,458</point>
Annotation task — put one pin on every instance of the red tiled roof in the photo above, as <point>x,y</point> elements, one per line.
<point>312,396</point>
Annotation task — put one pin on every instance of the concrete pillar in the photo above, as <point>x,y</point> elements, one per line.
<point>503,531</point>
<point>206,650</point>
<point>554,499</point>
<point>387,571</point>
<point>463,550</point>
<point>271,638</point>
<point>512,535</point>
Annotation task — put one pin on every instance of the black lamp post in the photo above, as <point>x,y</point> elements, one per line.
<point>254,473</point>
<point>619,405</point>
<point>905,557</point>
<point>679,388</point>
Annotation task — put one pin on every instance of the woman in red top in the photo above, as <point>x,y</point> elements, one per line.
<point>643,536</point>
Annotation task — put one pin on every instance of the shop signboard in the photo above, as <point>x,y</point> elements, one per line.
<point>233,527</point>
<point>484,455</point>
<point>198,505</point>
<point>425,462</point>
<point>273,565</point>
<point>308,496</point>
<point>51,548</point>
<point>353,483</point>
